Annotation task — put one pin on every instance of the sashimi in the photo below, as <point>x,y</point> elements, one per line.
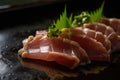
<point>112,22</point>
<point>108,32</point>
<point>63,51</point>
<point>95,50</point>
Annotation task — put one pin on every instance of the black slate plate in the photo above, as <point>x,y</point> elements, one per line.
<point>18,25</point>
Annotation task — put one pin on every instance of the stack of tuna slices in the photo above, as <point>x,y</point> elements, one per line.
<point>75,46</point>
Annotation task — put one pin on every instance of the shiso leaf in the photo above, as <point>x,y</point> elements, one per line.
<point>66,22</point>
<point>95,15</point>
<point>63,22</point>
<point>86,16</point>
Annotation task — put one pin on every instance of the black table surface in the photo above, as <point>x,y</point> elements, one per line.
<point>18,24</point>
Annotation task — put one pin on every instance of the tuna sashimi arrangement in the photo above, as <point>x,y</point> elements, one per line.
<point>73,42</point>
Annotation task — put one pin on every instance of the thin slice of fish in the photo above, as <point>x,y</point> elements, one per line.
<point>63,51</point>
<point>95,50</point>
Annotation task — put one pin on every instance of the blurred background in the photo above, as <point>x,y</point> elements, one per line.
<point>15,12</point>
<point>7,5</point>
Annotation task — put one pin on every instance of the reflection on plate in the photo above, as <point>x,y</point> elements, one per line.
<point>55,71</point>
<point>52,69</point>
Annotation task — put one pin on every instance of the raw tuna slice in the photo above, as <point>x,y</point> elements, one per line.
<point>95,50</point>
<point>107,31</point>
<point>112,22</point>
<point>99,37</point>
<point>63,51</point>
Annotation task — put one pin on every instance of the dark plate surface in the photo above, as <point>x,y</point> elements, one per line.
<point>18,25</point>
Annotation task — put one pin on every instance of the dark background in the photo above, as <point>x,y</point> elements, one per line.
<point>24,14</point>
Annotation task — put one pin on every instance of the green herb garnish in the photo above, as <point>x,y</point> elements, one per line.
<point>95,15</point>
<point>66,22</point>
<point>61,23</point>
<point>85,16</point>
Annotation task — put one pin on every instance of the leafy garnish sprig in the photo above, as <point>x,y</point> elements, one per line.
<point>97,14</point>
<point>63,22</point>
<point>66,22</point>
<point>86,16</point>
<point>82,18</point>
